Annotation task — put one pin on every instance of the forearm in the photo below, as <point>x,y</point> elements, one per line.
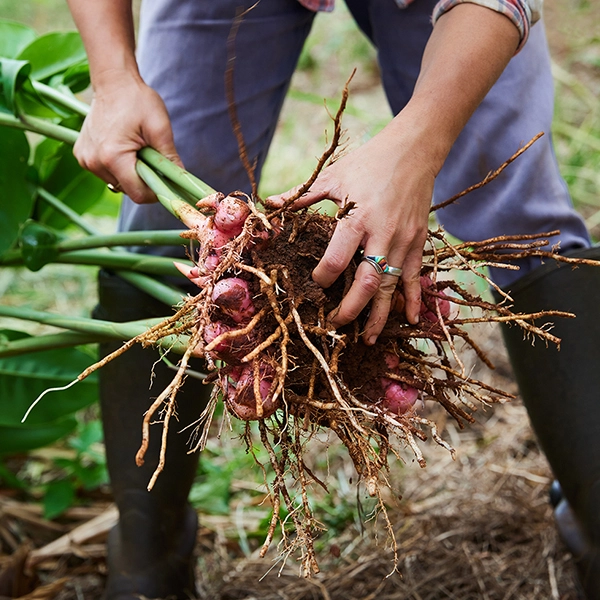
<point>107,30</point>
<point>469,48</point>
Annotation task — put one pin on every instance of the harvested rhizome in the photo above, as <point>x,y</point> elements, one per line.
<point>260,323</point>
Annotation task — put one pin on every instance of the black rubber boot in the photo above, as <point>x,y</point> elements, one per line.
<point>150,551</point>
<point>561,391</point>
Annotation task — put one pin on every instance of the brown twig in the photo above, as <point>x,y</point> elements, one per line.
<point>490,176</point>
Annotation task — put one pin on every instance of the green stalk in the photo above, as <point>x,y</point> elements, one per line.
<point>165,237</point>
<point>83,331</point>
<point>81,324</point>
<point>191,184</point>
<point>132,261</point>
<point>174,203</point>
<point>35,125</point>
<point>166,294</point>
<point>54,95</point>
<point>67,211</point>
<point>50,341</point>
<point>141,263</point>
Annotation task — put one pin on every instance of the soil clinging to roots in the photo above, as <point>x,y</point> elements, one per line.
<point>261,324</point>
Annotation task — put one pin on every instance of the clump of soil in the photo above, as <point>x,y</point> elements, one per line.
<point>274,358</point>
<point>304,376</point>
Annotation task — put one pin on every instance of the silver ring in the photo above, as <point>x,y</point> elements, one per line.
<point>380,264</point>
<point>115,189</point>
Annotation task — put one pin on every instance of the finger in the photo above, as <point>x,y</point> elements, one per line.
<point>159,135</point>
<point>122,168</point>
<point>307,199</point>
<point>90,162</point>
<point>344,242</point>
<point>365,285</point>
<point>380,309</point>
<point>411,279</point>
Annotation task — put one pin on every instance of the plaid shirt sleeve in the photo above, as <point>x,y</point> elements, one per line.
<point>523,13</point>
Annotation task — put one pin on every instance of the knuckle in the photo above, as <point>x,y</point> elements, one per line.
<point>387,287</point>
<point>334,262</point>
<point>370,283</point>
<point>107,155</point>
<point>91,163</point>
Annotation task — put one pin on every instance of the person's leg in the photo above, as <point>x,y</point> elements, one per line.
<point>183,54</point>
<point>150,550</point>
<point>559,388</point>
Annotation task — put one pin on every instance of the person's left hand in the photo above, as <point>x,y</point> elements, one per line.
<point>391,186</point>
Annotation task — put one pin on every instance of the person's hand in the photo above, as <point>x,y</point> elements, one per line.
<point>126,115</point>
<point>391,186</point>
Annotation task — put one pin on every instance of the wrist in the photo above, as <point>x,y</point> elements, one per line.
<point>112,78</point>
<point>423,138</point>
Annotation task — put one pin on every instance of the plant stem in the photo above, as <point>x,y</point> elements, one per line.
<point>166,294</point>
<point>58,97</point>
<point>132,261</point>
<point>52,341</point>
<point>190,183</point>
<point>166,195</point>
<point>67,211</point>
<point>52,130</point>
<point>125,238</point>
<point>85,331</point>
<point>81,324</point>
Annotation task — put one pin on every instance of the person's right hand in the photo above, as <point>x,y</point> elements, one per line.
<point>126,115</point>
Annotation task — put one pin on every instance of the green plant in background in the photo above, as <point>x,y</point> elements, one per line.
<point>44,195</point>
<point>85,470</point>
<point>23,378</point>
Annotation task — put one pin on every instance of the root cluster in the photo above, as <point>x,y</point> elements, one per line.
<point>321,378</point>
<point>283,366</point>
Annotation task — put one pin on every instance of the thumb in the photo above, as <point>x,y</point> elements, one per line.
<point>160,137</point>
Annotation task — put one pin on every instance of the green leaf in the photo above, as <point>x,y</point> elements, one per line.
<point>14,37</point>
<point>53,53</point>
<point>38,245</point>
<point>22,438</point>
<point>59,496</point>
<point>212,496</point>
<point>90,433</point>
<point>62,176</point>
<point>91,476</point>
<point>13,74</point>
<point>23,378</point>
<point>10,479</point>
<point>17,201</point>
<point>75,78</point>
<point>48,153</point>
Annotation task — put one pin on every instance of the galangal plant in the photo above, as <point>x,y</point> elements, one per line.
<point>258,319</point>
